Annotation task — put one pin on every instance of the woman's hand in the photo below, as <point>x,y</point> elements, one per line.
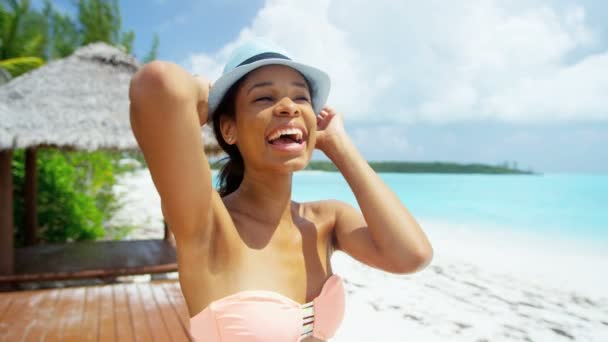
<point>330,130</point>
<point>202,102</point>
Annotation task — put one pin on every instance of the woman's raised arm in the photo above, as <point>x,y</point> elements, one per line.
<point>385,235</point>
<point>168,106</point>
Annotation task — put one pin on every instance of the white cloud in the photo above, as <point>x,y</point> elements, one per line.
<point>441,61</point>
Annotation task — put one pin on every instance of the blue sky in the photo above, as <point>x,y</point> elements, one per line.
<point>486,81</point>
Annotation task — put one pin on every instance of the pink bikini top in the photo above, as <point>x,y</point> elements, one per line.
<point>259,315</point>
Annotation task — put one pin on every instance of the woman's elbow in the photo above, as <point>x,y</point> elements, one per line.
<point>159,80</point>
<point>413,262</point>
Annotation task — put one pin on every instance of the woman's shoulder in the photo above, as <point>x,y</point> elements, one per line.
<point>321,209</point>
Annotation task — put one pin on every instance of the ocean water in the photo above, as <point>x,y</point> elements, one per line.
<point>555,205</point>
<point>548,229</point>
<point>566,206</point>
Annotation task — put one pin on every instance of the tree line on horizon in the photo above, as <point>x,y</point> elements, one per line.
<point>414,167</point>
<point>425,167</point>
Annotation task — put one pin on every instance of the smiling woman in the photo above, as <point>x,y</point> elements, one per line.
<point>253,264</point>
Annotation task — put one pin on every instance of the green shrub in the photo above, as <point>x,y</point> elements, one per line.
<point>75,195</point>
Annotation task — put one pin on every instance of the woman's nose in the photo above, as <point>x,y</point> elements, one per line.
<point>286,107</point>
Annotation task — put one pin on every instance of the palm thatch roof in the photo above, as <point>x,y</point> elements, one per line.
<point>78,102</point>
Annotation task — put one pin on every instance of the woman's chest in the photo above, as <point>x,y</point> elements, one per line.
<point>294,262</point>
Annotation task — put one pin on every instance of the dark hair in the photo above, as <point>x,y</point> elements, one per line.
<point>231,174</point>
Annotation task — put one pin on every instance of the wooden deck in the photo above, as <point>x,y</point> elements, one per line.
<point>152,311</point>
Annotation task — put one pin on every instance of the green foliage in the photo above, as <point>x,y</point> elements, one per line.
<point>23,32</point>
<point>101,21</point>
<point>153,53</point>
<point>126,42</point>
<point>423,167</point>
<point>63,34</point>
<point>50,34</point>
<point>21,65</point>
<point>32,36</point>
<point>95,176</point>
<point>75,197</point>
<point>64,213</point>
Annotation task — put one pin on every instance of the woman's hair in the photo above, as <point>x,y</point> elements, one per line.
<point>231,174</point>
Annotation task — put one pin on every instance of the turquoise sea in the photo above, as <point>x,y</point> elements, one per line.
<point>560,205</point>
<point>554,205</point>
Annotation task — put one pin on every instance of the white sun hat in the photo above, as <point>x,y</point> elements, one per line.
<point>257,53</point>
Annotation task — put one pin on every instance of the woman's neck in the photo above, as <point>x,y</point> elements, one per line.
<point>267,197</point>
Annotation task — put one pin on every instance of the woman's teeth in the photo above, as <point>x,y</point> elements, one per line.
<point>295,132</point>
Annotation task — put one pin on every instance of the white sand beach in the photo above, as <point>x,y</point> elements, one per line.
<point>479,287</point>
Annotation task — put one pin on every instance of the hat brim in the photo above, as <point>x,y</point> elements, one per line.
<point>317,79</point>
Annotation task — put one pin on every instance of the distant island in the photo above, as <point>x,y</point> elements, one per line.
<point>427,167</point>
<point>420,167</point>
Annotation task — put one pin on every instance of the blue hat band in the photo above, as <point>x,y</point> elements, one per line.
<point>265,55</point>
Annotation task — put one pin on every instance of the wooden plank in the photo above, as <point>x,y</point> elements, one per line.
<point>107,329</point>
<point>45,312</point>
<point>156,324</point>
<point>139,321</point>
<point>73,314</point>
<point>20,323</point>
<point>90,319</point>
<point>177,331</point>
<point>54,332</point>
<point>124,312</point>
<point>11,327</point>
<point>174,293</point>
<point>5,302</point>
<point>124,330</point>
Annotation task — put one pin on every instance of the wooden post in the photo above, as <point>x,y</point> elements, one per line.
<point>30,197</point>
<point>7,250</point>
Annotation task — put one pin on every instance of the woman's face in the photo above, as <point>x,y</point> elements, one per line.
<point>275,125</point>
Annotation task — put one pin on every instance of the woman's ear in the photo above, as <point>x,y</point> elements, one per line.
<point>228,129</point>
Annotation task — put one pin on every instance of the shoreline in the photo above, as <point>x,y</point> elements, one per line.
<point>488,284</point>
<point>567,261</point>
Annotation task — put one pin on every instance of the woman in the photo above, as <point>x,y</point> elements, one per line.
<point>253,264</point>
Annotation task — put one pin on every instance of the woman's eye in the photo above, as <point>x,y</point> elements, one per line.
<point>302,98</point>
<point>263,98</point>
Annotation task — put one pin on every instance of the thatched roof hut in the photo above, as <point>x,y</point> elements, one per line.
<point>79,102</point>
